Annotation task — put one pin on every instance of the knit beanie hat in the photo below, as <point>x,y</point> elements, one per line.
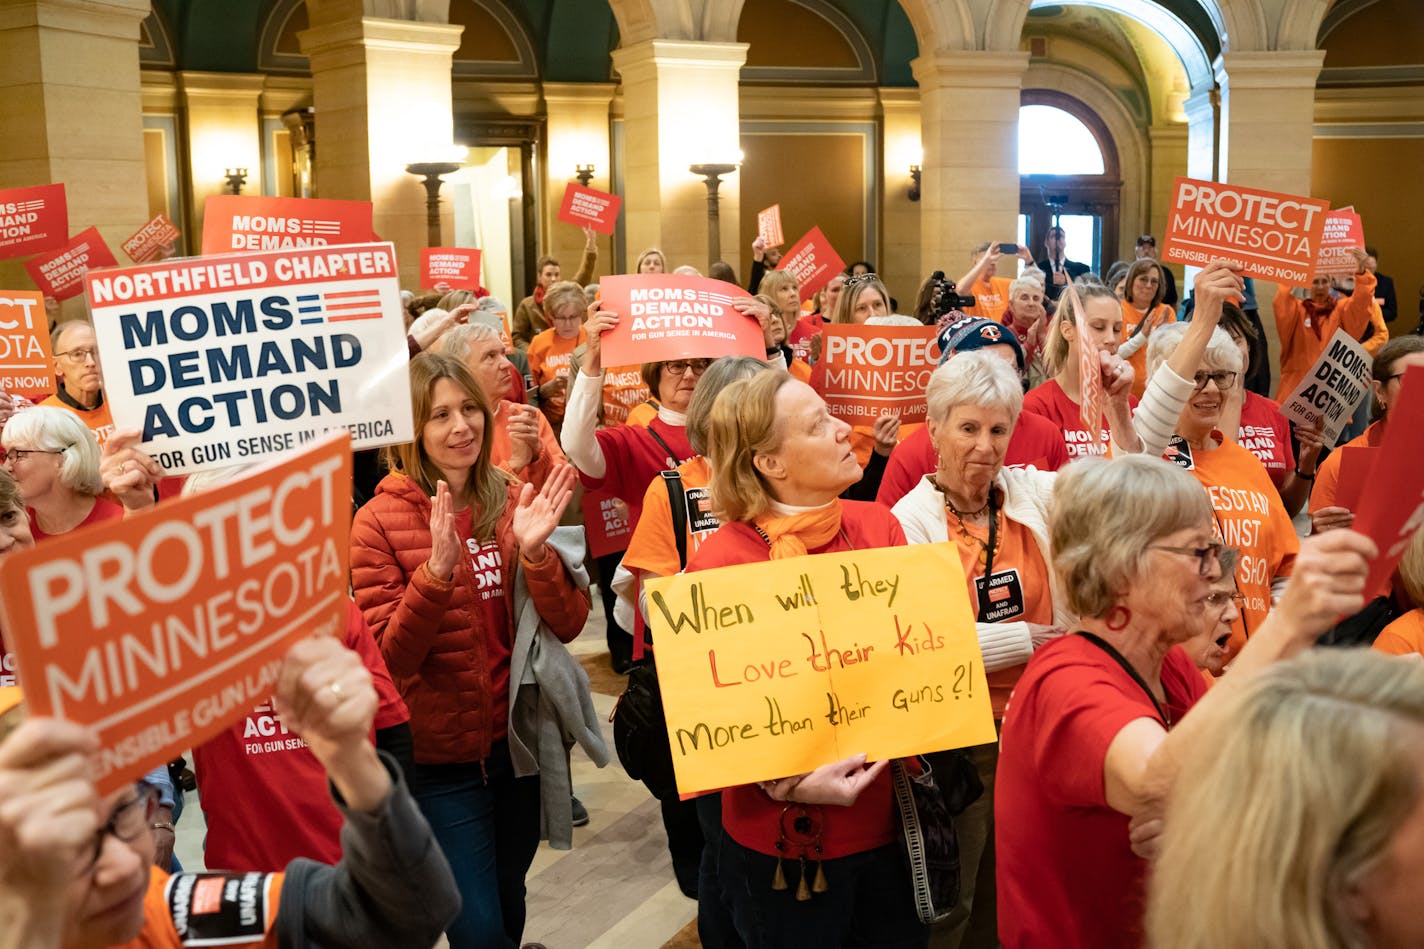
<point>975,332</point>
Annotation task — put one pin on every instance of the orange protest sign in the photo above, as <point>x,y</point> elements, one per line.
<point>1344,231</point>
<point>61,274</point>
<point>865,371</point>
<point>667,316</point>
<point>161,630</point>
<point>237,222</point>
<point>26,366</point>
<point>1267,235</point>
<point>459,267</point>
<point>587,206</point>
<point>148,242</point>
<point>769,226</point>
<point>1393,508</point>
<point>813,262</point>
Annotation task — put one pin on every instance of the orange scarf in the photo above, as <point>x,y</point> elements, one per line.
<point>795,534</point>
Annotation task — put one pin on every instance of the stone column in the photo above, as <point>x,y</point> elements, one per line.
<point>577,135</point>
<point>1201,108</point>
<point>223,132</point>
<point>381,90</point>
<point>969,107</point>
<point>899,261</point>
<point>680,99</point>
<point>73,114</point>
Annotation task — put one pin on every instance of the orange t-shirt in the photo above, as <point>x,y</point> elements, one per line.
<point>1131,316</point>
<point>100,422</point>
<point>1249,515</point>
<point>198,909</point>
<point>991,298</point>
<point>653,548</point>
<point>1327,475</point>
<point>1403,637</point>
<point>549,356</point>
<point>1020,592</point>
<point>642,414</point>
<point>623,391</point>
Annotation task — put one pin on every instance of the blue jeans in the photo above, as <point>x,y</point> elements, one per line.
<point>869,902</point>
<point>487,823</point>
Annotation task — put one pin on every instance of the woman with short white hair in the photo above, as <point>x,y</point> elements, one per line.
<point>54,458</point>
<point>997,519</point>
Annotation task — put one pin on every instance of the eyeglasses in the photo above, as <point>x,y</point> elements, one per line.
<point>1223,380</point>
<point>570,318</point>
<point>1219,601</point>
<point>1206,556</point>
<point>129,819</point>
<point>80,355</point>
<point>680,367</point>
<point>20,454</point>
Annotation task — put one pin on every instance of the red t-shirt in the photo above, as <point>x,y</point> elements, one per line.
<point>1066,875</point>
<point>492,598</point>
<point>633,458</point>
<point>263,793</point>
<point>1034,442</point>
<point>1050,401</point>
<point>104,510</point>
<point>750,817</point>
<point>1265,433</point>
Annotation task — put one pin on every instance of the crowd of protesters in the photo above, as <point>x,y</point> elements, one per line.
<point>1176,763</point>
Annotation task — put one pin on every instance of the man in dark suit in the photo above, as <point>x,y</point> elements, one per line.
<point>1384,287</point>
<point>1059,270</point>
<point>1147,250</point>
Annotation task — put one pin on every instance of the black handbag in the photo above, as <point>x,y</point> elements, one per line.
<point>1364,627</point>
<point>928,803</point>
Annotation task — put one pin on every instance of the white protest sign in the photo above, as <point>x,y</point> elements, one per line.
<point>1333,388</point>
<point>225,360</point>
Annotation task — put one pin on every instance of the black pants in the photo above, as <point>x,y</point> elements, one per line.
<point>620,641</point>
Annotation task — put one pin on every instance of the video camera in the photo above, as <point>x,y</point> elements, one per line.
<point>944,297</point>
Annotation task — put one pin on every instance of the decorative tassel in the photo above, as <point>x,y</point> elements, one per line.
<point>778,879</point>
<point>820,886</point>
<point>803,892</point>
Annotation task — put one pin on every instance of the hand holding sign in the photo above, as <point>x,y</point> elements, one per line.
<point>51,811</point>
<point>598,322</point>
<point>1327,582</point>
<point>838,783</point>
<point>130,474</point>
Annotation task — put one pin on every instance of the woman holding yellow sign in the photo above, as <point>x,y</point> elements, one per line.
<point>808,860</point>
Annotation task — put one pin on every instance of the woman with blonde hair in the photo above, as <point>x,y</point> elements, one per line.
<point>783,290</point>
<point>1298,819</point>
<point>1093,737</point>
<point>650,261</point>
<point>864,301</point>
<point>457,569</point>
<point>779,464</point>
<point>54,459</point>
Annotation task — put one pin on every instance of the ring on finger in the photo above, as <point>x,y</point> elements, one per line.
<point>335,689</point>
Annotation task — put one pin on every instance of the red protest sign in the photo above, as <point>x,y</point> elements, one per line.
<point>1355,465</point>
<point>26,365</point>
<point>235,222</point>
<point>1267,235</point>
<point>605,523</point>
<point>32,219</point>
<point>148,241</point>
<point>865,371</point>
<point>769,226</point>
<point>457,266</point>
<point>1393,508</point>
<point>667,316</point>
<point>1343,232</point>
<point>161,630</point>
<point>813,262</point>
<point>585,206</point>
<point>1090,408</point>
<point>61,274</point>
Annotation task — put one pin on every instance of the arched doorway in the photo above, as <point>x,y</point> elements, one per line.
<point>1068,175</point>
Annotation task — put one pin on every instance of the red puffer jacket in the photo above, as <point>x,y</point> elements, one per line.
<point>429,630</point>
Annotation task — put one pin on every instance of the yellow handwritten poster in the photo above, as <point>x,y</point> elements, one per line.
<point>773,669</point>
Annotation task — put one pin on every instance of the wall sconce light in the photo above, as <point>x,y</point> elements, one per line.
<point>430,173</point>
<point>236,178</point>
<point>712,177</point>
<point>584,174</point>
<point>914,194</point>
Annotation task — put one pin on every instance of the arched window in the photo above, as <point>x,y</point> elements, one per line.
<point>1053,141</point>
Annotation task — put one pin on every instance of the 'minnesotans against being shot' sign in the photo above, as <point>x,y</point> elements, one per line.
<point>222,360</point>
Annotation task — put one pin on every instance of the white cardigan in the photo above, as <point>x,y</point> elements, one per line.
<point>1028,493</point>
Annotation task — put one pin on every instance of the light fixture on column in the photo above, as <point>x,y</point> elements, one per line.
<point>712,177</point>
<point>236,178</point>
<point>430,173</point>
<point>584,174</point>
<point>914,194</point>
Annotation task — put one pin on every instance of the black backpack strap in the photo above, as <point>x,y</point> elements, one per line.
<point>672,480</point>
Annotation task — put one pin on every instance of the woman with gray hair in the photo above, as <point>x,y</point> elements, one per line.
<point>1093,738</point>
<point>1247,509</point>
<point>54,458</point>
